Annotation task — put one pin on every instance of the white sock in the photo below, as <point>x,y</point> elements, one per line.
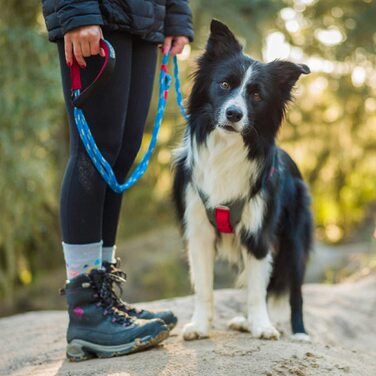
<point>108,254</point>
<point>82,258</point>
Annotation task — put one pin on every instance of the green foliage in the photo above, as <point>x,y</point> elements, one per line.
<point>246,18</point>
<point>333,125</point>
<point>30,107</point>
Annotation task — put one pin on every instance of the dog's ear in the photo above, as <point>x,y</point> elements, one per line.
<point>222,41</point>
<point>286,73</point>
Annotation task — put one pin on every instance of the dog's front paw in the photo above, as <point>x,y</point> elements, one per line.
<point>239,323</point>
<point>193,331</point>
<point>267,331</point>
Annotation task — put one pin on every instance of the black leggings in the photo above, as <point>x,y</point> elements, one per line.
<point>89,209</point>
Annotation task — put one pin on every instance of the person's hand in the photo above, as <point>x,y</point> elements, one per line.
<point>174,44</point>
<point>82,42</point>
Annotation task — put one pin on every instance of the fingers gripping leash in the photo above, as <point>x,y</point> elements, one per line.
<point>79,97</point>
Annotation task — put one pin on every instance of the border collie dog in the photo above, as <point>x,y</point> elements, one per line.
<point>237,194</point>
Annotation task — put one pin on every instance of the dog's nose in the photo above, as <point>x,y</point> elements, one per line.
<point>234,114</point>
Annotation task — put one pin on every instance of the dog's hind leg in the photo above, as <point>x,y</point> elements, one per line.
<point>299,240</point>
<point>257,275</point>
<point>296,299</point>
<point>200,237</point>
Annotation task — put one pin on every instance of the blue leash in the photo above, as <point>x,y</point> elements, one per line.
<point>101,164</point>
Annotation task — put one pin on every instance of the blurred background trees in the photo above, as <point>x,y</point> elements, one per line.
<point>330,130</point>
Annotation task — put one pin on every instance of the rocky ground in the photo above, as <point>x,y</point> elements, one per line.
<point>340,318</point>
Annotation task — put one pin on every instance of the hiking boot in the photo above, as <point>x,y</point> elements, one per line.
<point>167,316</point>
<point>97,329</point>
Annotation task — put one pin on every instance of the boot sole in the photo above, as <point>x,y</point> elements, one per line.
<point>79,350</point>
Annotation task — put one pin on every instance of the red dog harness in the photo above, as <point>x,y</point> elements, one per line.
<point>226,217</point>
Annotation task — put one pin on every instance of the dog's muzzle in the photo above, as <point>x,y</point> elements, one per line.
<point>228,127</point>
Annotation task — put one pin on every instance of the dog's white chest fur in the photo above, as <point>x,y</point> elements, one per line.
<point>221,168</point>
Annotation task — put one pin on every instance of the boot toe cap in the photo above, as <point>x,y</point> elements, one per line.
<point>166,316</point>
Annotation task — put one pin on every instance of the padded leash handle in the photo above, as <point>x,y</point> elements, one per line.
<point>103,75</point>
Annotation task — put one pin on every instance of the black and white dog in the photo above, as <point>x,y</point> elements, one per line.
<point>237,194</point>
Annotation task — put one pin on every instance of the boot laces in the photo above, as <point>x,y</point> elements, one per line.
<point>108,298</point>
<point>119,277</point>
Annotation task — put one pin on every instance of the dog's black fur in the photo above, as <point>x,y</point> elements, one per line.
<point>287,222</point>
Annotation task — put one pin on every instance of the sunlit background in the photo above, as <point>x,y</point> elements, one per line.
<point>330,131</point>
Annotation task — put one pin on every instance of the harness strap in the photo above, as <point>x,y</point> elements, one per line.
<point>273,169</point>
<point>224,217</point>
<point>227,216</point>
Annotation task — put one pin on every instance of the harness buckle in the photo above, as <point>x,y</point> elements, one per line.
<point>223,219</point>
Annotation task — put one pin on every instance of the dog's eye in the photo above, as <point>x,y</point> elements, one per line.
<point>256,96</point>
<point>224,85</point>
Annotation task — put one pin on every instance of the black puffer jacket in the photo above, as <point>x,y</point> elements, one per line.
<point>150,19</point>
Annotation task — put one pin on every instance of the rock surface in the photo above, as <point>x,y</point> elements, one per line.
<point>340,319</point>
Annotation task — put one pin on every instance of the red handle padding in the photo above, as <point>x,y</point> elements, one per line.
<point>103,75</point>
